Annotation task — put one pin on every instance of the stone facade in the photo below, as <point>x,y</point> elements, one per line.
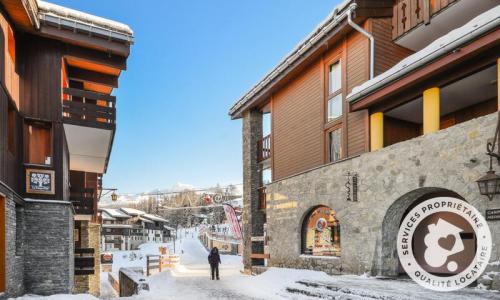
<point>253,219</point>
<point>14,243</point>
<point>447,162</point>
<point>90,234</point>
<point>49,247</point>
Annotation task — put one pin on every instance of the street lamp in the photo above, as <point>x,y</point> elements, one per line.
<point>114,197</point>
<point>489,184</point>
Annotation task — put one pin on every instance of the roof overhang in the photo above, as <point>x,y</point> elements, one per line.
<point>24,13</point>
<point>459,45</point>
<point>330,31</point>
<point>456,64</point>
<point>89,148</point>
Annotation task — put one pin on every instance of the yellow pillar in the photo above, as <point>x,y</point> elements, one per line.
<point>498,83</point>
<point>431,110</point>
<point>376,131</point>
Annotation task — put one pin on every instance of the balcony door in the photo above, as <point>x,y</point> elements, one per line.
<point>2,244</point>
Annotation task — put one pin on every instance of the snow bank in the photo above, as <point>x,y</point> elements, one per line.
<point>57,297</point>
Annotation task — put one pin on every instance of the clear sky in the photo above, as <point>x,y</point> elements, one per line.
<point>192,59</point>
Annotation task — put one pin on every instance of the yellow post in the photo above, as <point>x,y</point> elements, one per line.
<point>498,83</point>
<point>431,110</point>
<point>376,131</point>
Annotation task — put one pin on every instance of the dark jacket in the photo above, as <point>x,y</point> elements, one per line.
<point>214,257</point>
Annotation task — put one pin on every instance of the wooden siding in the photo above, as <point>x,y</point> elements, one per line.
<point>396,130</point>
<point>387,53</point>
<point>9,76</point>
<point>298,125</point>
<point>357,72</point>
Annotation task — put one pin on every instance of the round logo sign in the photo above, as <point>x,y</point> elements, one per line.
<point>321,224</point>
<point>444,244</point>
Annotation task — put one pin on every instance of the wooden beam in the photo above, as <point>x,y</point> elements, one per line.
<point>99,57</point>
<point>91,76</point>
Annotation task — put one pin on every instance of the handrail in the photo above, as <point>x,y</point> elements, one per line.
<point>264,148</point>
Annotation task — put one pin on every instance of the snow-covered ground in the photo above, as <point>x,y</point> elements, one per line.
<point>191,280</point>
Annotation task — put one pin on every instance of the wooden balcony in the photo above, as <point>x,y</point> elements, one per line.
<point>264,148</point>
<point>408,14</point>
<point>82,200</point>
<point>85,108</point>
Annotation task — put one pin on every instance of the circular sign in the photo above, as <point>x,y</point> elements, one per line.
<point>321,224</point>
<point>447,244</point>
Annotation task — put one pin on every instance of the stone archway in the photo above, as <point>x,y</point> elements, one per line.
<point>393,217</point>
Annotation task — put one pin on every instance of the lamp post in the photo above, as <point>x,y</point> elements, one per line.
<point>489,184</point>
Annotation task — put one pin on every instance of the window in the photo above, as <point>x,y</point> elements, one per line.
<point>334,91</point>
<point>334,78</point>
<point>321,233</point>
<point>39,143</point>
<point>11,130</point>
<point>335,145</point>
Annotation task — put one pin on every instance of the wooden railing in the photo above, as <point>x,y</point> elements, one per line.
<point>87,108</point>
<point>408,14</point>
<point>82,200</point>
<point>264,148</point>
<point>84,261</point>
<point>262,198</point>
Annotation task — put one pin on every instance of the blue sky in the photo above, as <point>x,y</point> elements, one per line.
<point>191,61</point>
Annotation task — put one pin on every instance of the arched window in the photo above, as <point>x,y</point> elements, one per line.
<point>321,232</point>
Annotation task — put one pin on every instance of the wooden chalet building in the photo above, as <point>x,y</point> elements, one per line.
<point>386,104</point>
<point>58,69</point>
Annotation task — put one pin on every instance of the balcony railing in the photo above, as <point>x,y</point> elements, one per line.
<point>408,14</point>
<point>264,148</point>
<point>84,261</point>
<point>87,108</point>
<point>82,200</point>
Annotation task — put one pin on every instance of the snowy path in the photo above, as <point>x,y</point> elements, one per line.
<point>191,280</point>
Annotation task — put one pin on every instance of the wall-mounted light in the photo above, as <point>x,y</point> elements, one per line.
<point>489,184</point>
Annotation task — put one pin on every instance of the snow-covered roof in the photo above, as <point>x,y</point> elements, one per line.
<point>106,216</point>
<point>328,24</point>
<point>116,226</point>
<point>154,218</point>
<point>132,211</point>
<point>50,9</point>
<point>115,213</point>
<point>169,228</point>
<point>146,220</point>
<point>476,27</point>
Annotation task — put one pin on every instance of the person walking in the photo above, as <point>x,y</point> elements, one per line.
<point>214,261</point>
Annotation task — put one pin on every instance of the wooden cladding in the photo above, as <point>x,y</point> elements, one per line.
<point>264,148</point>
<point>87,108</point>
<point>408,14</point>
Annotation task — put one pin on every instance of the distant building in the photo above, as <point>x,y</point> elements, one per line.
<point>127,228</point>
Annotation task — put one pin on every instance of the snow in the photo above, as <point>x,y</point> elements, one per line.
<point>460,34</point>
<point>190,280</point>
<point>115,213</point>
<point>132,211</point>
<point>154,218</point>
<point>60,11</point>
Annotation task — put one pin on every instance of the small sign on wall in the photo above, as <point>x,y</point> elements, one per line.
<point>493,214</point>
<point>40,181</point>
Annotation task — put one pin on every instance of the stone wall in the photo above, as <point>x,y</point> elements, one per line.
<point>90,234</point>
<point>450,160</point>
<point>14,243</point>
<point>49,247</point>
<point>252,219</point>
